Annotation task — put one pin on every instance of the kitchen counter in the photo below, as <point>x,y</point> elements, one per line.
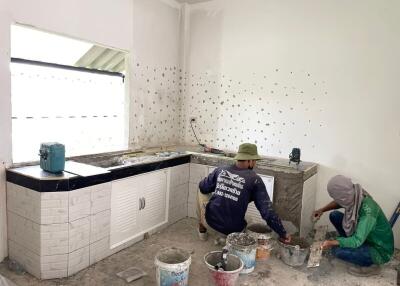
<point>59,224</point>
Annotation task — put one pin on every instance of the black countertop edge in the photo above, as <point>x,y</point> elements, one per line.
<point>83,182</point>
<point>78,182</point>
<point>149,167</point>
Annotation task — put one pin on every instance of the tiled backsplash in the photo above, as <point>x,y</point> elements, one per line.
<point>277,110</point>
<point>156,105</point>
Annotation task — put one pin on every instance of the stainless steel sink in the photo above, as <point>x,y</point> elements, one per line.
<point>112,161</point>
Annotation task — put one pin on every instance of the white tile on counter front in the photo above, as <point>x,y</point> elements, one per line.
<point>54,239</point>
<point>177,213</point>
<point>179,175</point>
<point>178,195</point>
<point>79,234</point>
<point>51,214</point>
<point>29,260</point>
<point>54,266</point>
<point>23,201</point>
<point>24,232</point>
<point>99,250</point>
<point>100,226</point>
<point>197,173</point>
<point>192,209</point>
<point>100,198</point>
<point>79,203</point>
<point>193,190</point>
<point>78,260</point>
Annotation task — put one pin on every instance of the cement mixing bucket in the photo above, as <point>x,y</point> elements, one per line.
<point>295,253</point>
<point>172,267</point>
<point>244,246</point>
<point>263,235</point>
<point>220,277</point>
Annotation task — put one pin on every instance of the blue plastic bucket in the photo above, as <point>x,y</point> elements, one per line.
<point>172,267</point>
<point>245,247</point>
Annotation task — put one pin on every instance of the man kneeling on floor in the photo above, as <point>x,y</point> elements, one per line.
<point>225,194</point>
<point>365,236</point>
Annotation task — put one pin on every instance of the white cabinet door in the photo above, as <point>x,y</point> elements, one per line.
<point>252,214</point>
<point>124,210</point>
<point>154,193</point>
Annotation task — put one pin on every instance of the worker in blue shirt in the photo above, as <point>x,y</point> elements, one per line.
<point>225,194</point>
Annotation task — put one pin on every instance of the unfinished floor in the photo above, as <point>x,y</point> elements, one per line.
<point>183,234</point>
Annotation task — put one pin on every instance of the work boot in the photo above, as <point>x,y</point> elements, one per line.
<point>202,232</point>
<point>364,271</point>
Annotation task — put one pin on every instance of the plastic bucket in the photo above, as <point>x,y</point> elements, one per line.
<point>245,247</point>
<point>223,278</point>
<point>172,267</point>
<point>295,253</point>
<point>262,233</point>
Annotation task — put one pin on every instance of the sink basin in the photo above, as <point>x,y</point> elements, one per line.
<point>117,161</point>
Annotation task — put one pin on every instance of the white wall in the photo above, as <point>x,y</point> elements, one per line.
<point>319,75</point>
<point>145,28</point>
<point>156,73</point>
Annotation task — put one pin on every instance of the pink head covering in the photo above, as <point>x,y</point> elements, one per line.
<point>350,197</point>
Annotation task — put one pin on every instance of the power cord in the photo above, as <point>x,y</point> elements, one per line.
<point>197,139</point>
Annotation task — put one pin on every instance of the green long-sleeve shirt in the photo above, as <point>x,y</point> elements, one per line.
<point>374,229</point>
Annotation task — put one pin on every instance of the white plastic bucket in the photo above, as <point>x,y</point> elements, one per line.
<point>172,267</point>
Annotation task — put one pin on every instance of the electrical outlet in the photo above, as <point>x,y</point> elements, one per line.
<point>193,119</point>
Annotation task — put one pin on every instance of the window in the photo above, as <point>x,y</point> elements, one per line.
<point>66,91</point>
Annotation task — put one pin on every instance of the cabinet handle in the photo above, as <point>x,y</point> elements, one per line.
<point>144,202</point>
<point>140,203</point>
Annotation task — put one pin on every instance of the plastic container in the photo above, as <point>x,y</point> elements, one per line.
<point>223,278</point>
<point>172,267</point>
<point>263,235</point>
<point>295,253</point>
<point>52,157</point>
<point>245,247</point>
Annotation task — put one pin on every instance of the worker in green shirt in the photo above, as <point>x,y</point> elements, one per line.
<point>365,236</point>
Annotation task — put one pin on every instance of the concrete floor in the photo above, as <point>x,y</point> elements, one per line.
<point>184,235</point>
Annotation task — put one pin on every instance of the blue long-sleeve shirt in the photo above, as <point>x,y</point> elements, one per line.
<point>233,189</point>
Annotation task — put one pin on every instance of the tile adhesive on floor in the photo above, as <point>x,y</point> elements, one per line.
<point>183,234</point>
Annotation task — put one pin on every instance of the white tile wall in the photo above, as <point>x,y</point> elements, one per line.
<point>192,210</point>
<point>54,266</point>
<point>99,250</point>
<point>24,232</point>
<point>29,260</point>
<point>179,175</point>
<point>54,239</point>
<point>23,202</point>
<point>100,198</point>
<point>78,260</point>
<point>178,195</point>
<point>100,225</point>
<point>197,173</point>
<point>79,234</point>
<point>177,213</point>
<point>79,203</point>
<point>54,207</point>
<point>193,189</point>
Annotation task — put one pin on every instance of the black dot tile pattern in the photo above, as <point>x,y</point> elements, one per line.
<point>277,110</point>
